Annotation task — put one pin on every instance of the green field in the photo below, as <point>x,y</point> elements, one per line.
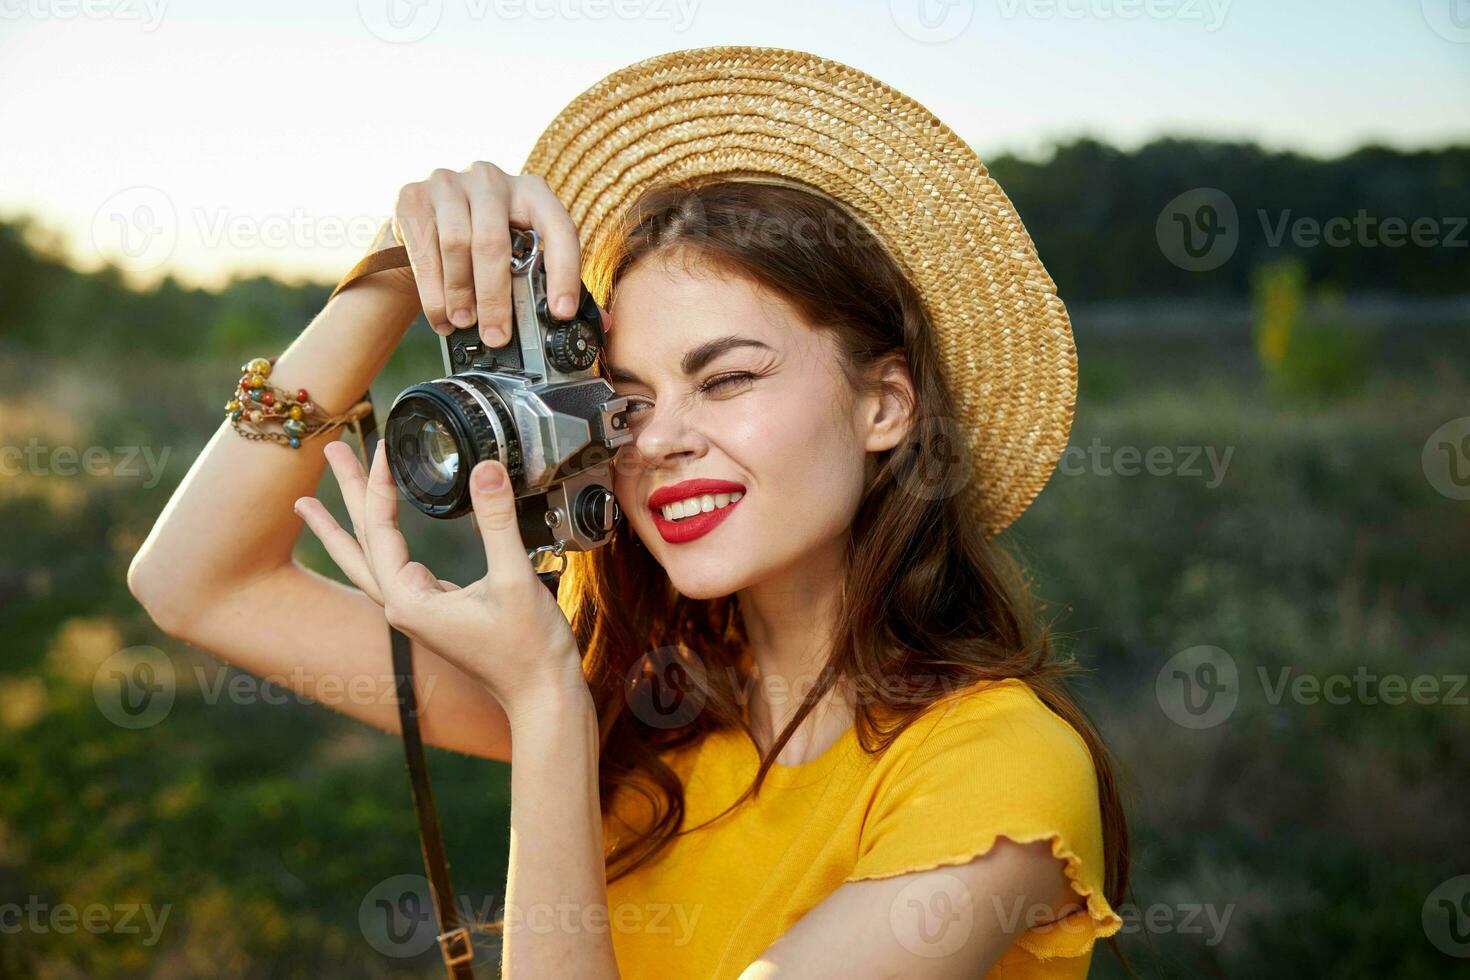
<point>1314,831</point>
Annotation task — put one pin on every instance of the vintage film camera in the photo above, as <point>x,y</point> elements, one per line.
<point>534,404</point>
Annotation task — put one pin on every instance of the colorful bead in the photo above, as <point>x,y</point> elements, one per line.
<point>235,415</point>
<point>294,442</point>
<point>256,381</point>
<point>260,366</point>
<point>257,415</point>
<point>255,395</point>
<point>301,395</point>
<point>293,427</point>
<point>232,406</point>
<point>296,412</point>
<point>268,399</point>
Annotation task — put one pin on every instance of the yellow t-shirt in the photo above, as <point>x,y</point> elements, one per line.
<point>991,760</point>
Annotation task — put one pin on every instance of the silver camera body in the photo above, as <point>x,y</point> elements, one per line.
<point>535,405</point>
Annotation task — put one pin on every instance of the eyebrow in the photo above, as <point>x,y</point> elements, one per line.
<point>694,359</point>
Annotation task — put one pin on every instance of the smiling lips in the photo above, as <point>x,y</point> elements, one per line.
<point>693,508</point>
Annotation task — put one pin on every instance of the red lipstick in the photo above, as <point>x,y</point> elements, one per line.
<point>678,532</point>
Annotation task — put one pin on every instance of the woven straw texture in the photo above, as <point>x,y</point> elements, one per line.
<point>745,112</point>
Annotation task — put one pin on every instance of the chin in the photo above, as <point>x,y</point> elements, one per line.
<point>706,576</point>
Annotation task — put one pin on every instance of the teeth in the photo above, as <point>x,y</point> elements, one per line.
<point>690,506</point>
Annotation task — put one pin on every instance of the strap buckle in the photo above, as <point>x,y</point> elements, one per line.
<point>457,947</point>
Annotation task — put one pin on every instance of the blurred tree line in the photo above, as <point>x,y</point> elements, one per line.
<point>1092,209</point>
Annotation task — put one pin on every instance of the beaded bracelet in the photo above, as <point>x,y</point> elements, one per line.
<point>257,402</point>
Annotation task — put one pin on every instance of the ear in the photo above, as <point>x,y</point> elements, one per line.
<point>888,407</point>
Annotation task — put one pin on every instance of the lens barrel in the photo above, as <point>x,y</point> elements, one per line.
<point>438,431</point>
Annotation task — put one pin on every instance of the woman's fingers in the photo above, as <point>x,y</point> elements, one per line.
<point>415,219</point>
<point>350,480</point>
<point>341,546</point>
<point>452,212</point>
<point>533,205</point>
<point>490,251</point>
<point>387,551</point>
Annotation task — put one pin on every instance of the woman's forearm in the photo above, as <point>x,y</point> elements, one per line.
<point>556,916</point>
<point>232,517</point>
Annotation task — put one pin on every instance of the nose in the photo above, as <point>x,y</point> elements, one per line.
<point>664,437</point>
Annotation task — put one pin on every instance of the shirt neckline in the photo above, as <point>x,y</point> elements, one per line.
<point>806,773</point>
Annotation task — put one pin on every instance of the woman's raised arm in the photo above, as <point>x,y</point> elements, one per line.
<point>217,571</point>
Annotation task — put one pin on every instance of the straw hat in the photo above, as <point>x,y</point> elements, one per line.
<point>767,113</point>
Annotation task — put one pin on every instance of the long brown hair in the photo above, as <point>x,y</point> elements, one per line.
<point>929,605</point>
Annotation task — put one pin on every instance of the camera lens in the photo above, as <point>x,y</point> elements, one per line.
<point>438,431</point>
<point>438,455</point>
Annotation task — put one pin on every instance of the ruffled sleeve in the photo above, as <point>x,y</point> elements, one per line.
<point>997,762</point>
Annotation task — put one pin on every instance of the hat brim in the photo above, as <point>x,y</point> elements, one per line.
<point>1003,335</point>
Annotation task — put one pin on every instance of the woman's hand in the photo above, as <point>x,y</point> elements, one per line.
<point>505,629</point>
<point>456,227</point>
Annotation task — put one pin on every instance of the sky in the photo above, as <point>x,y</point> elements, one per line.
<point>207,139</point>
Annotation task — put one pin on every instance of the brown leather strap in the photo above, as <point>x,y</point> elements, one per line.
<point>455,943</point>
<point>392,257</point>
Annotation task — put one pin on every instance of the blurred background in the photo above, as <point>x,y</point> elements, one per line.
<point>1258,542</point>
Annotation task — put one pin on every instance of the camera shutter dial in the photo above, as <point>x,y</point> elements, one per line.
<point>573,346</point>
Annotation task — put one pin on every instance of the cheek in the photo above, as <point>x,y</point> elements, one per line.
<point>805,459</point>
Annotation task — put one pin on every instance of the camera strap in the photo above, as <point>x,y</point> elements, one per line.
<point>454,938</point>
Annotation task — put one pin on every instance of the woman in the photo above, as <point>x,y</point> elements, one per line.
<point>796,717</point>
